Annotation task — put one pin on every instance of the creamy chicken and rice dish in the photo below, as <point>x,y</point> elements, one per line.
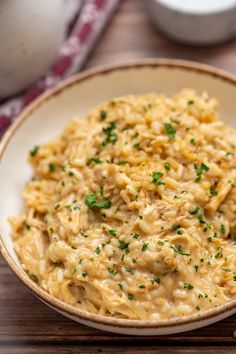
<point>131,212</point>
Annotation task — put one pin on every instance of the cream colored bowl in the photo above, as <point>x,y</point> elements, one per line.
<point>48,115</point>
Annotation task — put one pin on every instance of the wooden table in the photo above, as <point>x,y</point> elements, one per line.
<point>29,326</point>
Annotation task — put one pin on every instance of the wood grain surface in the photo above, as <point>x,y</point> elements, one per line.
<point>29,326</point>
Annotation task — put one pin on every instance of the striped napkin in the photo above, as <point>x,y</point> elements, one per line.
<point>87,20</point>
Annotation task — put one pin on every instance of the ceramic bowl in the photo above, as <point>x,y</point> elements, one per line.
<point>47,116</point>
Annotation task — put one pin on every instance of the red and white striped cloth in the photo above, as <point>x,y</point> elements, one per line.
<point>89,19</point>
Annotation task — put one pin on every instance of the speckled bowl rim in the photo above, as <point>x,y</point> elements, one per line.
<point>19,272</point>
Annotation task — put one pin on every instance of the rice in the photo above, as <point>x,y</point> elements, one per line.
<point>131,212</point>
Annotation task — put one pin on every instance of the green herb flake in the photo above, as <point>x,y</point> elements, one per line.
<point>27,226</point>
<point>202,220</point>
<point>196,268</point>
<point>190,102</point>
<point>128,270</point>
<point>213,191</point>
<point>188,286</point>
<point>145,247</point>
<point>175,227</point>
<point>74,248</point>
<point>91,202</point>
<point>130,296</point>
<point>112,271</point>
<point>179,251</point>
<point>156,280</point>
<point>33,277</point>
<point>160,243</point>
<point>135,235</point>
<point>195,210</point>
<point>142,286</point>
<point>123,245</point>
<point>222,229</point>
<point>156,178</point>
<point>34,151</point>
<point>202,168</point>
<point>192,141</point>
<point>95,160</point>
<point>170,130</point>
<point>84,274</point>
<point>166,165</point>
<point>52,167</point>
<point>97,250</point>
<point>103,115</point>
<point>120,286</point>
<point>197,308</point>
<point>137,146</point>
<point>110,135</point>
<point>112,232</point>
<point>122,162</point>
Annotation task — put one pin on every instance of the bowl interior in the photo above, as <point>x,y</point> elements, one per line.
<point>48,118</point>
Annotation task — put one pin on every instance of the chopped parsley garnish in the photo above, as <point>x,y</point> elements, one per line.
<point>156,280</point>
<point>97,250</point>
<point>112,232</point>
<point>129,270</point>
<point>175,227</point>
<point>161,243</point>
<point>91,202</point>
<point>180,232</point>
<point>73,271</point>
<point>122,162</point>
<point>136,235</point>
<point>222,229</point>
<point>219,254</point>
<point>33,277</point>
<point>141,286</point>
<point>179,251</point>
<point>195,210</point>
<point>192,141</point>
<point>209,239</point>
<point>190,102</point>
<point>137,146</point>
<point>112,271</point>
<point>27,226</point>
<point>74,248</point>
<point>213,191</point>
<point>196,268</point>
<point>202,168</point>
<point>203,221</point>
<point>120,286</point>
<point>70,174</point>
<point>123,245</point>
<point>103,115</point>
<point>52,167</point>
<point>84,274</point>
<point>145,247</point>
<point>170,130</point>
<point>198,308</point>
<point>166,165</point>
<point>111,136</point>
<point>156,178</point>
<point>95,160</point>
<point>130,296</point>
<point>34,151</point>
<point>188,286</point>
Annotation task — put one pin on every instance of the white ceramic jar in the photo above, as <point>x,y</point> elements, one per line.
<point>195,22</point>
<point>31,33</point>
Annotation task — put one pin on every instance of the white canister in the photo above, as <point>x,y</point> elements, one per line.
<point>195,22</point>
<point>31,33</point>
